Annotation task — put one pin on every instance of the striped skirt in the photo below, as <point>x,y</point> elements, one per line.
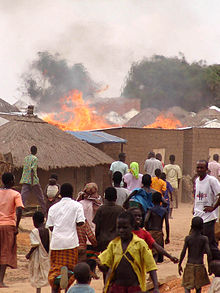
<point>60,258</point>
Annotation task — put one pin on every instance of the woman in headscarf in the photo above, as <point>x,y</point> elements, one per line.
<point>133,178</point>
<point>91,201</point>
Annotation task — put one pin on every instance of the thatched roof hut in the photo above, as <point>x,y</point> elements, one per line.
<point>7,108</point>
<point>73,160</point>
<point>56,148</point>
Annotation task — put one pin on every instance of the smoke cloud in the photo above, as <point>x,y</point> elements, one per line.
<point>49,78</point>
<point>105,36</point>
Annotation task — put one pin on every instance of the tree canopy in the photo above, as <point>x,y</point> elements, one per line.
<point>49,78</point>
<point>162,82</point>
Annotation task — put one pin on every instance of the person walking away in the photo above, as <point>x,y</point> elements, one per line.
<point>151,164</point>
<point>142,197</point>
<point>159,157</point>
<point>63,217</point>
<point>83,279</point>
<point>127,259</point>
<point>174,175</point>
<point>195,275</point>
<point>142,233</point>
<point>10,215</point>
<point>214,167</point>
<point>122,193</point>
<point>38,256</point>
<point>118,166</point>
<point>105,219</point>
<point>91,201</point>
<point>30,180</point>
<point>52,191</point>
<point>215,269</point>
<point>87,253</point>
<point>207,192</point>
<point>157,183</point>
<point>133,178</point>
<point>168,196</point>
<point>154,224</point>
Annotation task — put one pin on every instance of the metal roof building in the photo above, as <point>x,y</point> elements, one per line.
<point>96,137</point>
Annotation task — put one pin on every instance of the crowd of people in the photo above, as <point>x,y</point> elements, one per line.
<point>121,231</point>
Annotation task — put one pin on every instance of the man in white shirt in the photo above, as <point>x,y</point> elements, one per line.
<point>63,217</point>
<point>173,176</point>
<point>207,199</point>
<point>151,164</point>
<point>119,166</point>
<point>214,166</point>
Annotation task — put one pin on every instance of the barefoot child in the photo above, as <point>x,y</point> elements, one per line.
<point>129,259</point>
<point>82,275</point>
<point>142,233</point>
<point>154,224</point>
<point>195,274</point>
<point>39,262</point>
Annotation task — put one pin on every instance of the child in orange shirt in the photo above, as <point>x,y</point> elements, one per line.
<point>157,183</point>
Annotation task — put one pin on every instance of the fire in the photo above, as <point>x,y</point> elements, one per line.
<point>166,122</point>
<point>76,114</point>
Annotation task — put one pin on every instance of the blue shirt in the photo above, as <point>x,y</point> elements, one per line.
<point>81,288</point>
<point>169,189</point>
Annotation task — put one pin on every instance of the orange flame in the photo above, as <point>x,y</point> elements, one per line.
<point>80,115</point>
<point>165,122</point>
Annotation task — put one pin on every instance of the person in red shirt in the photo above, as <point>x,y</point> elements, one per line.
<point>142,233</point>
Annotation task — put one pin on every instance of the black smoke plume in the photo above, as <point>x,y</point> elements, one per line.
<point>50,78</point>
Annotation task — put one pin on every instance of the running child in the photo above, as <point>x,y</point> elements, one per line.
<point>154,224</point>
<point>142,233</point>
<point>195,274</point>
<point>38,256</point>
<point>128,259</point>
<point>83,278</point>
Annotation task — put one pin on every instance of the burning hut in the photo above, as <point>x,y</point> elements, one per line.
<point>73,160</point>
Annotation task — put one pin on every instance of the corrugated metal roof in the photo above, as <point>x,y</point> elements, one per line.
<point>97,137</point>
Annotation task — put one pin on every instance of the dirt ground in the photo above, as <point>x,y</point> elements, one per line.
<point>167,272</point>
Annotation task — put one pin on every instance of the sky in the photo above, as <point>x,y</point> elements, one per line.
<point>107,36</point>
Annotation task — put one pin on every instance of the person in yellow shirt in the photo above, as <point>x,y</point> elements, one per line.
<point>127,260</point>
<point>157,183</point>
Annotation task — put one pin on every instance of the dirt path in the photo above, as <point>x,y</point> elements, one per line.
<point>179,226</point>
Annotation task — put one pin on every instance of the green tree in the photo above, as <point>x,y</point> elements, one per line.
<point>162,82</point>
<point>213,82</point>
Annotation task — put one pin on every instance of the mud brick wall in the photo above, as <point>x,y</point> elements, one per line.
<point>112,149</point>
<point>187,151</point>
<point>142,140</point>
<point>203,139</point>
<point>188,145</point>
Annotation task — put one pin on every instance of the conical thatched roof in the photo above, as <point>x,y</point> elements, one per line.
<point>145,117</point>
<point>56,148</point>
